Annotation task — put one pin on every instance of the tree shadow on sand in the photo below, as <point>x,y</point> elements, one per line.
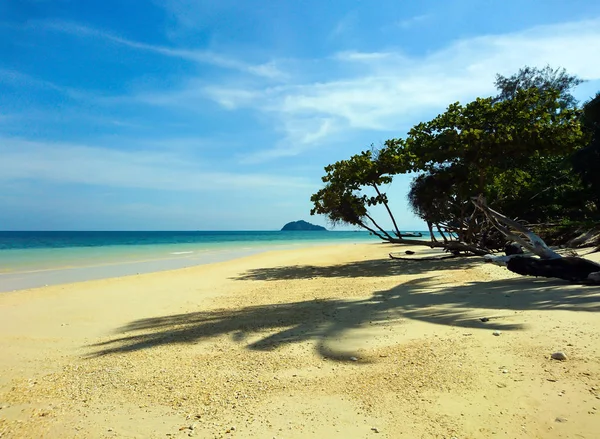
<point>368,268</point>
<point>324,321</point>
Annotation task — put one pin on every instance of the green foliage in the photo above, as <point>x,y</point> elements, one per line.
<point>586,161</point>
<point>494,148</point>
<point>549,192</point>
<point>514,149</point>
<point>546,79</point>
<point>341,200</point>
<point>435,197</point>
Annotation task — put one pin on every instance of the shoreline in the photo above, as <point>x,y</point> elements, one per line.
<point>22,280</point>
<point>328,341</point>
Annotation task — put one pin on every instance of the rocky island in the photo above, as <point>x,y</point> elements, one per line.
<point>302,225</point>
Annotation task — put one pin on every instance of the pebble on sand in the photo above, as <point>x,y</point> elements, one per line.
<point>353,359</point>
<point>558,356</point>
<point>375,429</point>
<point>497,333</point>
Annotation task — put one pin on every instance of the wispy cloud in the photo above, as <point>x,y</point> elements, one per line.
<point>18,79</point>
<point>300,135</point>
<point>147,169</point>
<point>356,92</point>
<point>267,70</point>
<point>411,22</point>
<point>344,26</point>
<point>391,91</point>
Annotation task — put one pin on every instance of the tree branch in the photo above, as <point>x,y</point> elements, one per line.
<point>388,210</point>
<point>534,243</point>
<point>379,227</point>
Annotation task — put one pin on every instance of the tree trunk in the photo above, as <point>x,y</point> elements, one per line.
<point>374,232</point>
<point>388,236</point>
<point>549,264</point>
<point>533,243</point>
<point>430,227</point>
<point>437,226</point>
<point>389,212</point>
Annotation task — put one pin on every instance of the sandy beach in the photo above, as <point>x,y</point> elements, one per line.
<point>326,342</point>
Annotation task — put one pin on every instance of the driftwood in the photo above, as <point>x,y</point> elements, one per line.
<point>516,232</point>
<point>547,264</point>
<point>432,258</point>
<point>570,268</point>
<point>455,247</point>
<point>513,249</point>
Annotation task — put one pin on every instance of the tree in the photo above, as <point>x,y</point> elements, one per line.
<point>490,148</point>
<point>343,199</point>
<point>545,79</point>
<point>549,263</point>
<point>485,147</point>
<point>549,190</point>
<point>586,161</point>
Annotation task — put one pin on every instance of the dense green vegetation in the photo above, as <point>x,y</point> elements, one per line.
<point>531,151</point>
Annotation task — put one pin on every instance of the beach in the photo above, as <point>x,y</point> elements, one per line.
<point>329,341</point>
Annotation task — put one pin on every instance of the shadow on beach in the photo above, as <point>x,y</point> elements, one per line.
<point>369,268</point>
<point>323,321</point>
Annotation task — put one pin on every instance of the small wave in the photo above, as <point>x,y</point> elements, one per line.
<point>180,253</point>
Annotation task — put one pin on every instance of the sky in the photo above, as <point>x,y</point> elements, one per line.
<point>220,115</point>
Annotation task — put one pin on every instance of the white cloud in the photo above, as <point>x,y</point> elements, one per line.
<point>390,90</point>
<point>300,135</point>
<point>411,22</point>
<point>344,26</point>
<point>351,92</point>
<point>228,98</point>
<point>267,70</point>
<point>18,79</point>
<point>147,169</point>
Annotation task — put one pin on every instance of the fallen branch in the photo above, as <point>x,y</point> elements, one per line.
<point>570,268</point>
<point>549,263</point>
<point>432,258</point>
<point>533,243</point>
<point>451,246</point>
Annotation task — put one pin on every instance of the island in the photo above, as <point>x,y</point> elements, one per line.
<point>302,225</point>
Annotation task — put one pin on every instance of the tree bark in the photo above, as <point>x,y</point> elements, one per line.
<point>379,227</point>
<point>389,211</point>
<point>549,264</point>
<point>374,232</point>
<point>430,227</point>
<point>433,258</point>
<point>534,243</point>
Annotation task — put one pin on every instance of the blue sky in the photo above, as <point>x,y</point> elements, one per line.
<point>213,115</point>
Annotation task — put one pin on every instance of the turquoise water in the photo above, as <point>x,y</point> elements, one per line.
<point>34,251</point>
<point>32,259</point>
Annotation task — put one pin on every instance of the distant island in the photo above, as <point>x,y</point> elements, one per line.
<point>302,225</point>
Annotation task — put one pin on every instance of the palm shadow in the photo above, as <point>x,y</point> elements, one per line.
<point>323,321</point>
<point>368,268</point>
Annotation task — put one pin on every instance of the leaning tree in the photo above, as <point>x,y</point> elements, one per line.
<point>485,147</point>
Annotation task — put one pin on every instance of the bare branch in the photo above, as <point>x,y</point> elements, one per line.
<point>535,244</point>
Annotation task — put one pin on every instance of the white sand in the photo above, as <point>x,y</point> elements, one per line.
<point>267,344</point>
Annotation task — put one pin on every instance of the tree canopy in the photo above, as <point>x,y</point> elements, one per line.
<point>514,149</point>
<point>544,79</point>
<point>587,160</point>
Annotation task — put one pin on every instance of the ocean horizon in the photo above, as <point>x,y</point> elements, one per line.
<point>30,259</point>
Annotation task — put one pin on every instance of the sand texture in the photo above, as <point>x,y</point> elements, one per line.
<point>325,342</point>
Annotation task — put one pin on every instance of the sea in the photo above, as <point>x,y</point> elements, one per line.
<point>35,259</point>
